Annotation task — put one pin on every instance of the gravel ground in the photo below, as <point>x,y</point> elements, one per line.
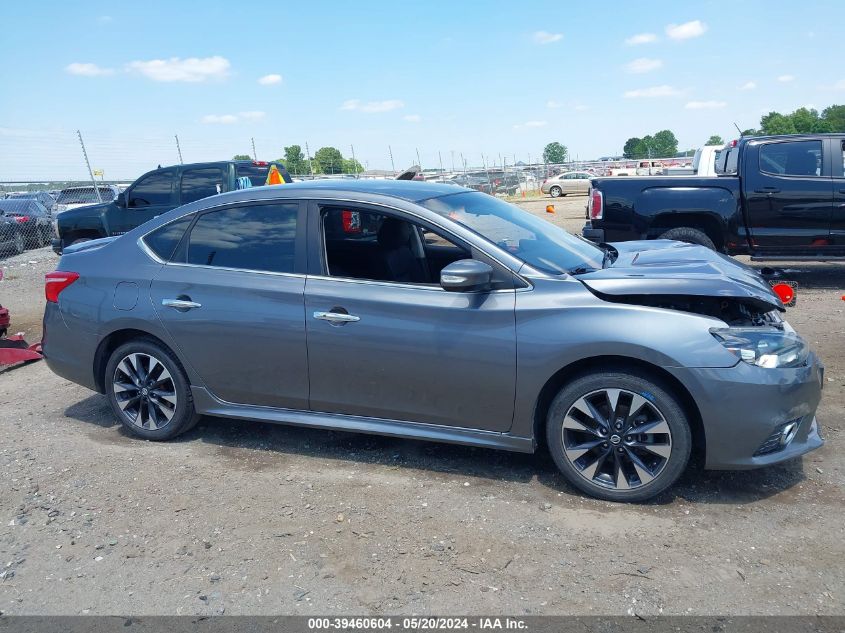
<point>244,518</point>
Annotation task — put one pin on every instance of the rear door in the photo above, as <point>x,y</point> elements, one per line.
<point>788,195</point>
<point>149,196</point>
<point>232,299</point>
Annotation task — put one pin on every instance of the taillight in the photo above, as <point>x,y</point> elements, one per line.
<point>260,163</point>
<point>55,282</point>
<point>21,218</point>
<point>596,204</point>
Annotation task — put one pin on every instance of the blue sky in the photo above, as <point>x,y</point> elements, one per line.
<point>474,78</point>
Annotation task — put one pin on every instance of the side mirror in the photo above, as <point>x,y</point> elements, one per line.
<point>466,275</point>
<point>120,200</point>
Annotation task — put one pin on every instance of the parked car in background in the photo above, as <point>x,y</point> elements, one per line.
<point>157,192</point>
<point>75,197</point>
<point>436,313</point>
<point>34,220</point>
<point>43,197</point>
<point>779,197</point>
<point>569,182</point>
<point>641,168</point>
<point>11,236</point>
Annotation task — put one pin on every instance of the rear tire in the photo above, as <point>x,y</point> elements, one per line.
<point>555,192</point>
<point>149,391</point>
<point>618,436</point>
<point>19,245</point>
<point>79,240</point>
<point>689,235</point>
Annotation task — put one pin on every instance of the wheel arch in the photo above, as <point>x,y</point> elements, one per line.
<point>114,340</point>
<point>565,374</point>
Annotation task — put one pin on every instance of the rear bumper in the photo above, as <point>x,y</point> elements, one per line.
<point>594,235</point>
<point>69,354</point>
<point>743,406</point>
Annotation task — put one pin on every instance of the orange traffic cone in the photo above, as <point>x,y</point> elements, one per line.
<point>550,208</point>
<point>274,177</point>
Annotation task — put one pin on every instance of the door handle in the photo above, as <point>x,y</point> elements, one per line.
<point>767,190</point>
<point>336,317</point>
<point>180,304</point>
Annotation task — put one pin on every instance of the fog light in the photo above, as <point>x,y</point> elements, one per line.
<point>788,433</point>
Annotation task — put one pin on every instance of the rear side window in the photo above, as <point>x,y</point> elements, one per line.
<point>152,190</point>
<point>259,237</point>
<point>201,183</point>
<point>163,240</point>
<point>793,158</point>
<point>257,174</point>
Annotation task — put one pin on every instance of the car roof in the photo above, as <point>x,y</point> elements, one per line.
<point>410,190</point>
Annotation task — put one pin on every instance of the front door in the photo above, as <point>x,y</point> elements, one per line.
<point>788,196</point>
<point>386,341</point>
<point>150,196</point>
<point>232,299</point>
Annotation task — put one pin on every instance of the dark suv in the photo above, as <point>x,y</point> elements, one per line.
<point>157,192</point>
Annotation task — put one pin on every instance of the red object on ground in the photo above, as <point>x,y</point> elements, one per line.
<point>14,350</point>
<point>785,292</point>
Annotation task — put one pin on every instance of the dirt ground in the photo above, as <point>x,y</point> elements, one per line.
<point>246,518</point>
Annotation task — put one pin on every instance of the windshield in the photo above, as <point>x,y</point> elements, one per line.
<point>84,195</point>
<point>539,243</point>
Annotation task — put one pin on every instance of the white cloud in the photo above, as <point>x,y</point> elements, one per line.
<point>226,119</point>
<point>643,65</point>
<point>253,115</point>
<point>784,79</point>
<point>269,80</point>
<point>104,19</point>
<point>412,118</point>
<point>687,30</point>
<point>87,70</point>
<point>554,105</point>
<point>641,38</point>
<point>705,105</point>
<point>581,108</point>
<point>191,69</point>
<point>544,37</point>
<point>372,106</point>
<point>653,91</point>
<point>229,119</point>
<point>530,124</point>
<point>748,85</point>
<point>839,85</point>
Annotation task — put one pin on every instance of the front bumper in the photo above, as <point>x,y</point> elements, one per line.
<point>742,406</point>
<point>594,235</point>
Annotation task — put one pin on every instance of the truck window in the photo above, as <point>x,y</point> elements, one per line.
<point>151,190</point>
<point>201,183</point>
<point>792,158</point>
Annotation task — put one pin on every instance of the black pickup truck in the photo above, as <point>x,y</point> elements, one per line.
<point>777,197</point>
<point>157,192</point>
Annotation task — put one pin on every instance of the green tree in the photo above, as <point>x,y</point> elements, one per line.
<point>555,153</point>
<point>776,123</point>
<point>294,160</point>
<point>241,157</point>
<point>633,147</point>
<point>715,140</point>
<point>352,166</point>
<point>664,144</point>
<point>751,132</point>
<point>328,160</point>
<point>834,116</point>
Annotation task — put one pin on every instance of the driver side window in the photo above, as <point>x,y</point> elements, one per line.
<point>366,245</point>
<point>152,190</point>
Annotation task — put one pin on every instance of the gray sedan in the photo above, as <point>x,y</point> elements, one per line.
<point>433,312</point>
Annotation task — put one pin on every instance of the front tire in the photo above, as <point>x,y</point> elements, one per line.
<point>556,192</point>
<point>19,245</point>
<point>149,391</point>
<point>618,436</point>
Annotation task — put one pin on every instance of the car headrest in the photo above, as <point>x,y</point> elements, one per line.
<point>394,233</point>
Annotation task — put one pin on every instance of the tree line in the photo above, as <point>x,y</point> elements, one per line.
<point>326,160</point>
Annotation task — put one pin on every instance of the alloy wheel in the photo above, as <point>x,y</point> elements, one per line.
<point>616,439</point>
<point>145,392</point>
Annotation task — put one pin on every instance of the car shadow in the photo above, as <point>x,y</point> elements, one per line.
<point>809,275</point>
<point>260,445</point>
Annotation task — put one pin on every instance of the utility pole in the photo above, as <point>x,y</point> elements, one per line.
<point>308,155</point>
<point>440,158</point>
<point>392,166</point>
<point>453,160</point>
<point>254,153</point>
<point>354,162</point>
<point>463,160</point>
<point>179,150</point>
<point>87,164</point>
<point>419,162</point>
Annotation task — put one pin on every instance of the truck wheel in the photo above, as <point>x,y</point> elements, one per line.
<point>19,245</point>
<point>556,192</point>
<point>79,240</point>
<point>689,235</point>
<point>617,435</point>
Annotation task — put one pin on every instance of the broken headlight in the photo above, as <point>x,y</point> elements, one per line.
<point>770,348</point>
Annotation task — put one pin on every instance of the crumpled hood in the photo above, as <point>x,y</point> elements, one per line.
<point>666,267</point>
